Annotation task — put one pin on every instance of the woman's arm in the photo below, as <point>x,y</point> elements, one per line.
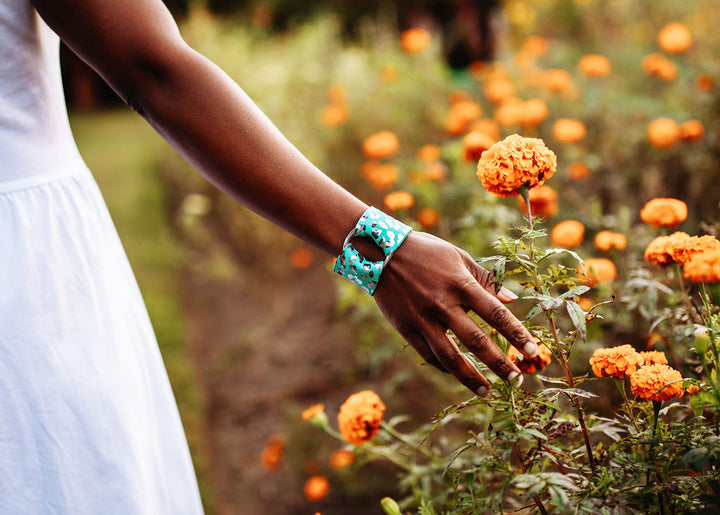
<point>428,286</point>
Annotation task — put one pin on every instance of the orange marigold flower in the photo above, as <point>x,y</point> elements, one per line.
<point>654,357</point>
<point>428,153</point>
<point>599,270</point>
<point>334,115</point>
<point>488,126</point>
<point>499,90</point>
<point>397,200</point>
<point>337,93</point>
<point>692,130</point>
<point>382,176</point>
<point>530,365</point>
<point>534,112</point>
<point>692,389</point>
<point>585,303</point>
<point>543,201</point>
<point>579,171</point>
<point>317,488</point>
<point>663,132</point>
<point>674,38</point>
<point>663,250</point>
<point>474,144</point>
<point>566,130</point>
<point>558,81</point>
<point>388,74</point>
<point>621,361</point>
<point>606,240</point>
<point>535,45</point>
<point>341,458</point>
<point>664,212</point>
<point>703,267</point>
<point>656,383</point>
<point>513,163</point>
<point>415,40</point>
<point>594,65</point>
<point>380,145</point>
<point>510,112</point>
<point>301,258</point>
<point>658,65</point>
<point>312,411</point>
<point>704,82</point>
<point>436,171</point>
<point>460,115</point>
<point>272,452</point>
<point>567,234</point>
<point>428,217</point>
<point>360,417</point>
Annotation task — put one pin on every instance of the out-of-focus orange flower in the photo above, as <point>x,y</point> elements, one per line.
<point>337,93</point>
<point>704,82</point>
<point>594,65</point>
<point>567,130</point>
<point>513,163</point>
<point>436,171</point>
<point>606,240</point>
<point>534,112</point>
<point>543,201</point>
<point>703,267</point>
<point>382,176</point>
<point>692,389</point>
<point>428,153</point>
<point>647,380</point>
<point>415,40</point>
<point>398,200</point>
<point>499,90</point>
<point>488,126</point>
<point>334,115</point>
<point>654,357</point>
<point>360,417</point>
<point>579,171</point>
<point>428,217</point>
<point>536,46</point>
<point>658,65</point>
<point>621,361</point>
<point>388,74</point>
<point>460,115</point>
<point>692,130</point>
<point>458,95</point>
<point>341,459</point>
<point>599,270</point>
<point>530,365</point>
<point>272,453</point>
<point>474,144</point>
<point>558,81</point>
<point>313,411</point>
<point>663,132</point>
<point>380,145</point>
<point>301,258</point>
<point>509,113</point>
<point>653,339</point>
<point>316,488</point>
<point>664,212</point>
<point>585,303</point>
<point>567,234</point>
<point>674,38</point>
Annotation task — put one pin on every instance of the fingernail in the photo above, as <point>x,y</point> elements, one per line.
<point>482,391</point>
<point>508,294</point>
<point>515,379</point>
<point>531,349</point>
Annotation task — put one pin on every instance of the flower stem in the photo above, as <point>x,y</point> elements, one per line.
<point>401,438</point>
<point>620,383</point>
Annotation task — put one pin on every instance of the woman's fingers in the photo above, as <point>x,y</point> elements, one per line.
<point>418,343</point>
<point>480,344</point>
<point>449,355</point>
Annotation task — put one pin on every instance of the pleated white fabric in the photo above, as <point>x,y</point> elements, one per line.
<point>88,422</point>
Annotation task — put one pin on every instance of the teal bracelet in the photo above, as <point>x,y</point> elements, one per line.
<point>386,232</point>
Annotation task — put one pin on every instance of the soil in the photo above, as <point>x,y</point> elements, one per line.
<point>266,346</point>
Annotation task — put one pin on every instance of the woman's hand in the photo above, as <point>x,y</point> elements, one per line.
<point>428,287</point>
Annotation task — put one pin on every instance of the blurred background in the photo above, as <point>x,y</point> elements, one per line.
<point>253,326</point>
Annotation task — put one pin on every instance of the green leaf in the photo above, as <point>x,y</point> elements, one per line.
<point>499,273</point>
<point>577,315</point>
<point>574,292</point>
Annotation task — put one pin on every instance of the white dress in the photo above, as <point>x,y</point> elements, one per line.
<point>88,422</point>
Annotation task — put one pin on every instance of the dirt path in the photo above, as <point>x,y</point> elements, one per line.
<point>266,346</point>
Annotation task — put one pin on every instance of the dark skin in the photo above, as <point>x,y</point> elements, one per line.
<point>428,287</point>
